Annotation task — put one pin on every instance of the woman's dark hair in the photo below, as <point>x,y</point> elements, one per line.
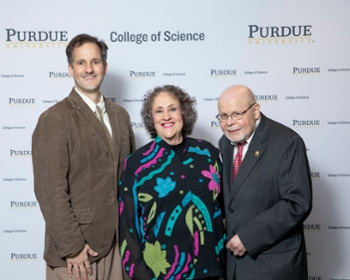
<point>187,106</point>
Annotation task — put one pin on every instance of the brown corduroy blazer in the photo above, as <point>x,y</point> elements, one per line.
<point>76,176</point>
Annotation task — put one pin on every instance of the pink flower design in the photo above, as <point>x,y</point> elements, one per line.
<point>214,177</point>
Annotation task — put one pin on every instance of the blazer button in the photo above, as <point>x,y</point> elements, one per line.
<point>231,211</point>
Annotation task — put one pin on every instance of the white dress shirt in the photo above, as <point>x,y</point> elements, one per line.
<point>92,106</point>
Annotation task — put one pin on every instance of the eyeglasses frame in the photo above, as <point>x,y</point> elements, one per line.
<point>219,117</point>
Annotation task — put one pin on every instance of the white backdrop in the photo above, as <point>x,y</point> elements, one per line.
<point>293,54</point>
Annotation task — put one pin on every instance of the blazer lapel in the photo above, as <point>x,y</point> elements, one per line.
<point>228,163</point>
<point>114,121</point>
<point>88,115</point>
<point>255,151</point>
<point>226,150</point>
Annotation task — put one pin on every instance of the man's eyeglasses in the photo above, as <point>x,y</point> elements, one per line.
<point>235,116</point>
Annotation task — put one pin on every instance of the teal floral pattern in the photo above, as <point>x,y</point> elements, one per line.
<point>171,224</point>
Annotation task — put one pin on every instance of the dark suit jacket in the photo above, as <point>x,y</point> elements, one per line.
<point>75,176</point>
<point>267,204</point>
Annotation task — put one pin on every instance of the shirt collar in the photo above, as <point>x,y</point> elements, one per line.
<point>91,103</point>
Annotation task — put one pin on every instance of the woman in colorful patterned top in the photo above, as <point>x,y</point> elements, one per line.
<point>171,224</point>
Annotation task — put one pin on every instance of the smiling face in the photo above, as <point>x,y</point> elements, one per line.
<point>87,68</point>
<point>238,99</point>
<point>167,118</point>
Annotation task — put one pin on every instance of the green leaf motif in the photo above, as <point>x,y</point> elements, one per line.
<point>144,197</point>
<point>155,258</point>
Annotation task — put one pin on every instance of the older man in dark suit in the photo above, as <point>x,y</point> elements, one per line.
<point>267,191</point>
<point>79,146</point>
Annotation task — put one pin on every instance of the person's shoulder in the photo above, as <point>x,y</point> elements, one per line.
<point>223,140</point>
<point>57,109</point>
<point>280,130</point>
<point>143,151</point>
<point>120,109</point>
<point>201,143</point>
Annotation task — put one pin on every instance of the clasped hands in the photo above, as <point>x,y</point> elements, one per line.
<point>81,264</point>
<point>236,246</point>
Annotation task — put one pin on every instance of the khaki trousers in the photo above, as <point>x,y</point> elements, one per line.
<point>107,268</point>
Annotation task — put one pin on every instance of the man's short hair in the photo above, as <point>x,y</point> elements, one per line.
<point>82,39</point>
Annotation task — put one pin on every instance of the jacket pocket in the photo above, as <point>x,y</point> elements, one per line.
<point>288,244</point>
<point>84,217</point>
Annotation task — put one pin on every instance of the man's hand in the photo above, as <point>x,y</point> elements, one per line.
<point>81,263</point>
<point>235,246</point>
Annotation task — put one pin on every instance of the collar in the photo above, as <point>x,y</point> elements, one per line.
<point>91,103</point>
<point>179,147</point>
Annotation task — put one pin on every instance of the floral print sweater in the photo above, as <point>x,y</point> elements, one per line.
<point>171,216</point>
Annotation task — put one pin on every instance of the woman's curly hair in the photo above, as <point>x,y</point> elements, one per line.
<point>187,106</point>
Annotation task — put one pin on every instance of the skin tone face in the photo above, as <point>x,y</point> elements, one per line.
<point>88,70</point>
<point>167,118</point>
<point>238,99</point>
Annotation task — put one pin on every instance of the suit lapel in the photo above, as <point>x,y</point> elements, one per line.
<point>88,115</point>
<point>228,160</point>
<point>114,121</point>
<point>226,150</point>
<point>255,151</point>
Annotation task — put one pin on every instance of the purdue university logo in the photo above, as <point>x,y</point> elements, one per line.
<point>18,39</point>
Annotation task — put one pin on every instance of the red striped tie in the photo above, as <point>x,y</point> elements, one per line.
<point>238,159</point>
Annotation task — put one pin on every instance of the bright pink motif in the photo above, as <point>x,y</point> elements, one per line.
<point>214,177</point>
<point>185,269</point>
<point>126,258</point>
<point>150,149</point>
<point>125,162</point>
<point>121,208</point>
<point>196,243</point>
<point>131,270</point>
<point>176,261</point>
<point>153,161</point>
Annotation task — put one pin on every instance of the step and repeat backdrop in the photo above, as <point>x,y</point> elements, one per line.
<point>294,55</point>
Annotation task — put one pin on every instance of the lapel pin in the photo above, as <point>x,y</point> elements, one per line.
<point>257,153</point>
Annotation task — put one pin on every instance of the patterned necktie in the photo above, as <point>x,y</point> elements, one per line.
<point>109,137</point>
<point>238,159</point>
